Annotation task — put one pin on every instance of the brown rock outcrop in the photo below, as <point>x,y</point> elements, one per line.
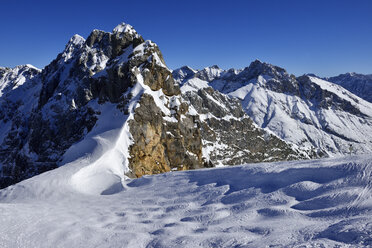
<point>160,145</point>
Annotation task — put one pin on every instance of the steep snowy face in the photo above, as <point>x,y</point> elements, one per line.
<point>12,78</point>
<point>19,93</point>
<point>182,74</point>
<point>108,99</point>
<point>317,116</point>
<point>358,84</point>
<point>209,73</point>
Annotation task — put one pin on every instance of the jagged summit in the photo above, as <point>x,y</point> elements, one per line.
<point>351,74</point>
<point>311,75</point>
<point>75,43</point>
<point>76,39</point>
<point>214,67</point>
<point>257,68</point>
<point>257,62</point>
<point>183,73</point>
<point>32,67</point>
<point>186,68</point>
<point>124,28</point>
<point>239,76</point>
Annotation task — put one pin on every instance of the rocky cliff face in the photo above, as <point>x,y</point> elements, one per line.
<point>60,105</point>
<point>160,144</point>
<point>229,136</point>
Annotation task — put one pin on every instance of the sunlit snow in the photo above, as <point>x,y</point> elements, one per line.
<point>320,203</point>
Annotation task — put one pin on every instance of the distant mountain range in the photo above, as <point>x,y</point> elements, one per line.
<point>359,84</point>
<point>111,101</point>
<point>317,116</point>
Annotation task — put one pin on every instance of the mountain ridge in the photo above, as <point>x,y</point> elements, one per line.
<point>314,99</point>
<point>106,69</point>
<point>111,101</point>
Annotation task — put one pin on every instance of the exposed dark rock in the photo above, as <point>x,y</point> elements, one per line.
<point>230,135</point>
<point>324,98</point>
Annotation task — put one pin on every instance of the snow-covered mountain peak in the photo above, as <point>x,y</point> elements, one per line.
<point>183,73</point>
<point>76,40</point>
<point>257,68</point>
<point>32,67</point>
<point>214,67</point>
<point>210,73</point>
<point>11,78</point>
<point>124,28</point>
<point>75,43</point>
<point>186,70</point>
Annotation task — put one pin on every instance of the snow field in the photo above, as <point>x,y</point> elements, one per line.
<point>319,203</point>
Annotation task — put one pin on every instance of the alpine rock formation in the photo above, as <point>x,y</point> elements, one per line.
<point>110,82</point>
<point>316,116</point>
<point>229,135</point>
<point>111,102</point>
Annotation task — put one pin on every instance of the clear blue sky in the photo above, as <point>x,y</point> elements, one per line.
<point>321,37</point>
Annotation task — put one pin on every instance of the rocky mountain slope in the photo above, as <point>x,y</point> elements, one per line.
<point>111,102</point>
<point>317,116</point>
<point>358,84</point>
<point>229,135</point>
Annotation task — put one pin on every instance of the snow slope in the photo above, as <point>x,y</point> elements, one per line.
<point>316,203</point>
<point>303,123</point>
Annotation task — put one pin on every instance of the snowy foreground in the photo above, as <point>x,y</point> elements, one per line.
<point>320,203</point>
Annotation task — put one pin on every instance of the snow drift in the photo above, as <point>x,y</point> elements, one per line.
<point>315,203</point>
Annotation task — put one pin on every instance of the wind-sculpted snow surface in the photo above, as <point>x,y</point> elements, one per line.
<point>315,203</point>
